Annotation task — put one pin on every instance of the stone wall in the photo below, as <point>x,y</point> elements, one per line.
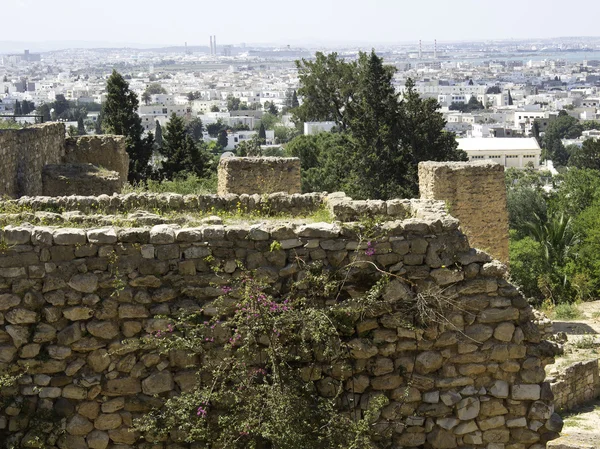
<point>82,179</point>
<point>69,298</point>
<point>259,175</point>
<point>575,385</point>
<point>475,193</point>
<point>106,151</point>
<point>23,154</point>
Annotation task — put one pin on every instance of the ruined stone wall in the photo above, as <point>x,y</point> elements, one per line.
<point>106,151</point>
<point>23,154</point>
<point>69,298</point>
<point>475,193</point>
<point>259,175</point>
<point>575,385</point>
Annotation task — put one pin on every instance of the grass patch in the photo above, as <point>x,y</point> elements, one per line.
<point>567,312</point>
<point>586,342</point>
<point>188,185</point>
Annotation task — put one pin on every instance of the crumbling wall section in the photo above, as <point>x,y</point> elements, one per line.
<point>70,298</point>
<point>260,175</point>
<point>105,151</point>
<point>24,153</point>
<point>475,193</point>
<point>82,179</point>
<point>575,385</point>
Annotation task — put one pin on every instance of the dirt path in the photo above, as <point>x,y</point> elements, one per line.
<point>582,429</point>
<point>582,426</point>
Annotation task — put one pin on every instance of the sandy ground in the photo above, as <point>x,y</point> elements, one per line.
<point>582,426</point>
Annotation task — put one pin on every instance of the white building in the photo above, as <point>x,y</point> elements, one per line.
<point>311,128</point>
<point>508,151</point>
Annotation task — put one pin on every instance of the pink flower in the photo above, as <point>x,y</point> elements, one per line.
<point>202,412</point>
<point>370,251</point>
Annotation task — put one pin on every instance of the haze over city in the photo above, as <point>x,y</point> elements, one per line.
<point>155,23</point>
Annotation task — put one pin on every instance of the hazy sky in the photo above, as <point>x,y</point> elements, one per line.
<point>168,22</point>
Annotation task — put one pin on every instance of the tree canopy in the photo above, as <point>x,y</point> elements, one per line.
<point>182,154</point>
<point>385,135</point>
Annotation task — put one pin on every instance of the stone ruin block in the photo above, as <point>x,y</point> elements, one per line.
<point>260,175</point>
<point>106,151</point>
<point>79,179</point>
<point>475,193</point>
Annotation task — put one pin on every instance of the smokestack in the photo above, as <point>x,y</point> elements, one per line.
<point>435,49</point>
<point>420,50</point>
<point>215,43</point>
<point>211,45</point>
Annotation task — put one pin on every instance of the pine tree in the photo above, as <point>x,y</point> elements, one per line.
<point>80,127</point>
<point>262,134</point>
<point>181,153</point>
<point>120,117</point>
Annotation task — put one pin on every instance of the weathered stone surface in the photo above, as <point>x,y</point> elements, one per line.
<point>70,236</point>
<point>259,175</point>
<point>21,316</point>
<point>158,383</point>
<point>8,301</point>
<point>79,426</point>
<point>362,349</point>
<point>78,313</point>
<point>108,421</point>
<point>85,283</point>
<point>441,439</point>
<point>122,387</point>
<point>526,392</point>
<point>428,362</point>
<point>98,360</point>
<point>103,329</point>
<point>97,439</point>
<point>104,236</point>
<point>468,409</point>
<point>500,389</point>
<point>162,234</point>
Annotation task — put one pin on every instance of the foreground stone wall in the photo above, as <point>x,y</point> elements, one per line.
<point>23,154</point>
<point>475,193</point>
<point>575,385</point>
<point>106,151</point>
<point>260,175</point>
<point>69,298</point>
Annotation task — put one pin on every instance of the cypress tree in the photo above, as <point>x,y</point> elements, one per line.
<point>119,116</point>
<point>80,127</point>
<point>222,139</point>
<point>18,110</point>
<point>158,138</point>
<point>262,134</point>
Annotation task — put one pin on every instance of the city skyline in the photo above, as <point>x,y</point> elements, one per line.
<point>267,22</point>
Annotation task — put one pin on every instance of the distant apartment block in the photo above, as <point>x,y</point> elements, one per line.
<point>508,151</point>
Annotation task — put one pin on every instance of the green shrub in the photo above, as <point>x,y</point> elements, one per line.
<point>567,312</point>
